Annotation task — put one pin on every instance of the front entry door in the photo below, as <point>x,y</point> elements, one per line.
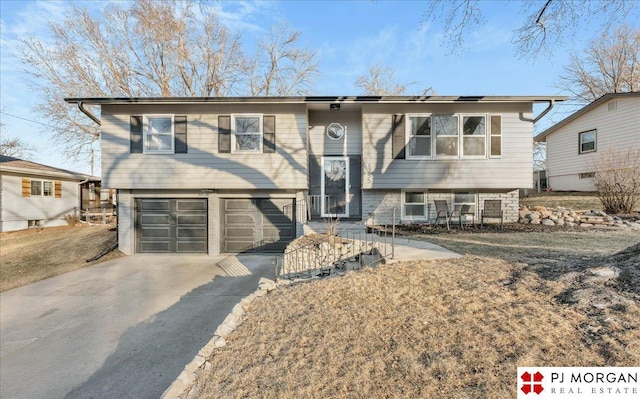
<point>335,187</point>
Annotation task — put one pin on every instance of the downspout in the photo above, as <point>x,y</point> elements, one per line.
<point>543,113</point>
<point>88,113</point>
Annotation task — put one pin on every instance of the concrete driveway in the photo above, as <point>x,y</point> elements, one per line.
<point>121,329</point>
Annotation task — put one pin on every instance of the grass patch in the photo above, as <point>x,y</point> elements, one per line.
<point>445,328</point>
<point>35,254</point>
<point>575,200</point>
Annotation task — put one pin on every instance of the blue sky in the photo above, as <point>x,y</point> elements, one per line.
<point>348,36</point>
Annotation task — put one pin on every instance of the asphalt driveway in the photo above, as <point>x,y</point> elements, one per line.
<point>121,329</point>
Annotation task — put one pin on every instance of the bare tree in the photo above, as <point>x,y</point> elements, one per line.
<point>539,156</point>
<point>16,148</point>
<point>610,64</point>
<point>617,179</point>
<point>147,48</point>
<point>281,69</point>
<point>546,24</point>
<point>380,80</point>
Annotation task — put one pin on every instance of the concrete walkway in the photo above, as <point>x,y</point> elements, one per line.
<point>401,248</point>
<point>121,329</point>
<point>407,249</point>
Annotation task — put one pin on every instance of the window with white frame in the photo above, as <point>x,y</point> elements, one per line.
<point>419,136</point>
<point>47,188</point>
<point>587,141</point>
<point>246,133</point>
<point>496,136</point>
<point>41,188</point>
<point>474,135</point>
<point>414,205</point>
<point>158,134</point>
<point>445,129</point>
<point>36,187</point>
<point>465,204</point>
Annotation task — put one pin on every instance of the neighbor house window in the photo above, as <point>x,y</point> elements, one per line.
<point>92,191</point>
<point>47,188</point>
<point>414,205</point>
<point>587,175</point>
<point>445,128</point>
<point>587,141</point>
<point>474,135</point>
<point>419,136</point>
<point>41,188</point>
<point>246,133</point>
<point>496,136</point>
<point>158,134</point>
<point>36,187</point>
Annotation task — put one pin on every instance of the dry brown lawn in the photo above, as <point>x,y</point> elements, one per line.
<point>567,199</point>
<point>447,328</point>
<point>35,254</point>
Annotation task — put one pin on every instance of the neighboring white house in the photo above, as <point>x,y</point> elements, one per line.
<point>610,122</point>
<point>33,195</point>
<point>223,175</point>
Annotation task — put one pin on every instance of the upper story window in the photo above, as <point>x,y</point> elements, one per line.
<point>41,188</point>
<point>452,136</point>
<point>419,137</point>
<point>587,141</point>
<point>446,131</point>
<point>496,136</point>
<point>474,135</point>
<point>158,134</point>
<point>246,133</point>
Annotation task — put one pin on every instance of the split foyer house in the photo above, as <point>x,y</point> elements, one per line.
<point>218,175</point>
<point>36,195</point>
<point>612,122</point>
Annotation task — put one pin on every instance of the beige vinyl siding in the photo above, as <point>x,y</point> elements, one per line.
<point>512,170</point>
<point>203,166</point>
<point>320,144</point>
<point>18,210</point>
<point>619,129</point>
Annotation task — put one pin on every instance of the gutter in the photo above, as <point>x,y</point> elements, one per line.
<point>543,113</point>
<point>88,113</point>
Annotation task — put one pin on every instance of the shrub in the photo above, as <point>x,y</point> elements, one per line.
<point>71,219</point>
<point>617,180</point>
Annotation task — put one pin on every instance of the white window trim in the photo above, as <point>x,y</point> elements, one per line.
<point>403,216</point>
<point>435,138</point>
<point>474,203</point>
<point>145,133</point>
<point>490,135</point>
<point>41,192</point>
<point>53,188</point>
<point>462,136</point>
<point>233,134</point>
<point>595,141</point>
<point>408,136</point>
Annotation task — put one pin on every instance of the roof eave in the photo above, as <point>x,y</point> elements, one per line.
<point>542,137</point>
<point>312,99</point>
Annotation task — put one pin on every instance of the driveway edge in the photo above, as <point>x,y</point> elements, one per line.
<point>181,386</point>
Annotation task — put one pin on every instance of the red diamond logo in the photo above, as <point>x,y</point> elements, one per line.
<point>532,383</point>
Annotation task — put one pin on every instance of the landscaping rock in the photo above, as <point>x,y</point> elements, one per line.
<point>548,222</point>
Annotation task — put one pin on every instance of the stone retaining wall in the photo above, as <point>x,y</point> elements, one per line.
<point>568,217</point>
